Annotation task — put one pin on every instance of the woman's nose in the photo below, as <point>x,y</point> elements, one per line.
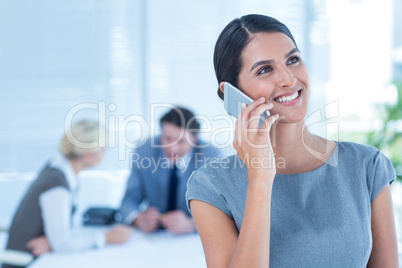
<point>286,77</point>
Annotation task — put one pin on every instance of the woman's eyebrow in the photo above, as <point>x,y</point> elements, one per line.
<point>272,61</point>
<point>292,51</point>
<point>258,63</point>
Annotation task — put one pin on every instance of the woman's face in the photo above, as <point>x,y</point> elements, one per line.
<point>272,68</point>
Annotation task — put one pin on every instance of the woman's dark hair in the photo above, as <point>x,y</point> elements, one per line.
<point>234,38</point>
<point>182,118</point>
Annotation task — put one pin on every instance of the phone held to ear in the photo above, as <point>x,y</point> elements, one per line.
<point>233,98</point>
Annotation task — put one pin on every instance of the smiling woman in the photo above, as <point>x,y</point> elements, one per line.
<point>329,204</point>
<point>273,68</point>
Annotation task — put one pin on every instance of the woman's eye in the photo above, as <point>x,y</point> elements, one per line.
<point>293,60</point>
<point>265,69</point>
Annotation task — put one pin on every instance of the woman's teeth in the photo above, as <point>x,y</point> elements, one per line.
<point>288,98</point>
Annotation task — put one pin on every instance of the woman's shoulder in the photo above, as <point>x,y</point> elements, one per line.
<point>51,177</point>
<point>368,157</point>
<point>219,171</point>
<point>218,181</point>
<point>378,169</point>
<point>223,165</point>
<point>352,150</point>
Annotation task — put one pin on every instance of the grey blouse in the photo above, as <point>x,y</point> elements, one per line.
<point>321,218</point>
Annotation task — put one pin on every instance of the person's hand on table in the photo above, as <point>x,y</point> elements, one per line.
<point>178,222</point>
<point>148,221</point>
<point>118,234</point>
<point>38,245</point>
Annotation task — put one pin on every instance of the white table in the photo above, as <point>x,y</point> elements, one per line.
<point>160,249</point>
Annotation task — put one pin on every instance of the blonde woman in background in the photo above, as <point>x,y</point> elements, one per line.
<point>43,219</point>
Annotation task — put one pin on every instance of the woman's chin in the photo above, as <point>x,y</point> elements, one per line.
<point>291,115</point>
<point>291,119</point>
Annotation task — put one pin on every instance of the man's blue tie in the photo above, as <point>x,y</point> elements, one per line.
<point>172,189</point>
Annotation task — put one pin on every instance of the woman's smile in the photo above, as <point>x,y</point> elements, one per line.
<point>289,99</point>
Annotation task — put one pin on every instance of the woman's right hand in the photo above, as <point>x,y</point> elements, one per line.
<point>252,143</point>
<point>118,234</point>
<point>39,245</point>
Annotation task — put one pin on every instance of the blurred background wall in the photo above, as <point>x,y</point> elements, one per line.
<point>64,60</point>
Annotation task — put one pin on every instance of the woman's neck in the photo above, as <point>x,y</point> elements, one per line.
<point>297,149</point>
<point>77,165</point>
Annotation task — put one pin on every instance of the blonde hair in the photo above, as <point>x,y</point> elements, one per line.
<point>81,137</point>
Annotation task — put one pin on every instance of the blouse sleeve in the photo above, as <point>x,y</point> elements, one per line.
<point>205,186</point>
<point>380,172</point>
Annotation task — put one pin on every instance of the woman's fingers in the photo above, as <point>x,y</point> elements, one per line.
<point>247,132</point>
<point>245,113</point>
<point>266,126</point>
<point>39,245</point>
<point>255,115</point>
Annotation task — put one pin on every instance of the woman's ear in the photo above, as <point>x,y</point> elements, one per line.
<point>222,86</point>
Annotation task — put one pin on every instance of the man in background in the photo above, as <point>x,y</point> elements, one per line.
<point>160,169</point>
